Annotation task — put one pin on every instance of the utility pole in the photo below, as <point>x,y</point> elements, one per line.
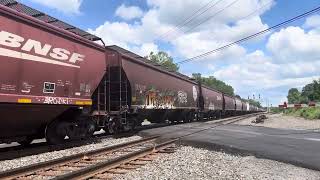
<point>267,105</point>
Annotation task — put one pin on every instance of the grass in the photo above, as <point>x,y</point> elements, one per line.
<point>307,113</point>
<point>276,110</point>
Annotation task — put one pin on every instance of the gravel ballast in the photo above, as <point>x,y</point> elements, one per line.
<point>193,163</point>
<point>284,122</point>
<point>24,161</point>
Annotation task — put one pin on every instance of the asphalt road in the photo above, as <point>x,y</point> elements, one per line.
<point>298,147</point>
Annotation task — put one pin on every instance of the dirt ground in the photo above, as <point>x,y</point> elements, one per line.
<point>284,122</point>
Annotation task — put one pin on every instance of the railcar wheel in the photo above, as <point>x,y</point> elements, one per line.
<point>187,117</point>
<point>112,126</point>
<point>200,116</point>
<point>191,116</point>
<point>133,124</point>
<point>90,127</point>
<point>55,132</point>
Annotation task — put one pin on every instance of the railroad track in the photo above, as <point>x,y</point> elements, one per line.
<point>14,152</point>
<point>98,164</point>
<point>221,122</point>
<point>43,147</point>
<point>106,162</point>
<point>33,149</point>
<point>237,118</point>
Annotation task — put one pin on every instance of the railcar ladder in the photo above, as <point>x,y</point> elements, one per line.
<point>102,97</point>
<point>118,93</point>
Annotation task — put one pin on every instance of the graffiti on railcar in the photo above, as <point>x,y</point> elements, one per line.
<point>211,106</point>
<point>56,100</point>
<point>140,88</point>
<point>160,100</point>
<point>150,97</point>
<point>182,97</point>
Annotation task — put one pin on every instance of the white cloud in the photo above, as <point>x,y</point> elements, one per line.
<point>292,61</point>
<point>300,69</point>
<point>184,8</point>
<point>129,12</point>
<point>145,49</point>
<point>216,36</point>
<point>312,21</point>
<point>127,36</point>
<point>137,37</point>
<point>118,33</point>
<point>159,20</point>
<point>66,6</point>
<point>257,71</point>
<point>294,44</point>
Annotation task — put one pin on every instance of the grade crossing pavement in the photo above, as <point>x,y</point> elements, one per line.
<point>298,147</point>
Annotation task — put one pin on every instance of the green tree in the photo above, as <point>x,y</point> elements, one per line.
<point>237,96</point>
<point>311,92</point>
<point>163,59</point>
<point>316,90</point>
<point>255,103</point>
<point>214,83</point>
<point>294,96</point>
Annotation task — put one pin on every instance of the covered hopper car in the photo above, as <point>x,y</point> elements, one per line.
<point>48,75</point>
<point>57,83</point>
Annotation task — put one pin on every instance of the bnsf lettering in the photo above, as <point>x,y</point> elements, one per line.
<point>15,41</point>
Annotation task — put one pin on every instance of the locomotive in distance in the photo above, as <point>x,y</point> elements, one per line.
<point>56,82</point>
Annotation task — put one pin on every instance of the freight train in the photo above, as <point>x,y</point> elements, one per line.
<point>57,82</point>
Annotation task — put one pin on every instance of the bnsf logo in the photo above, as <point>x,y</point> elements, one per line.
<point>46,50</point>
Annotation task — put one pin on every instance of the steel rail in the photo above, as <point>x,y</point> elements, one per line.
<point>104,166</point>
<point>8,153</point>
<point>109,164</point>
<point>48,164</point>
<point>239,118</point>
<point>14,152</point>
<point>221,123</point>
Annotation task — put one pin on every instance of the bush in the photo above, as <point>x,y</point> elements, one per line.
<point>307,113</point>
<point>276,110</point>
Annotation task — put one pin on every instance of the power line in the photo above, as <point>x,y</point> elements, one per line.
<point>210,17</point>
<point>229,5</point>
<point>184,21</point>
<point>194,15</point>
<point>252,36</point>
<point>257,10</point>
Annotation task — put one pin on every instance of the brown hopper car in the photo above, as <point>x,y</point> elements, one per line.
<point>57,83</point>
<point>44,71</point>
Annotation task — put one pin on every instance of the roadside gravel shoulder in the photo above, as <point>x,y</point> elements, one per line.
<point>24,161</point>
<point>284,122</point>
<point>193,163</point>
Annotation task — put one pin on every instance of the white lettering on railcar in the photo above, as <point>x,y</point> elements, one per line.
<point>47,53</point>
<point>56,100</point>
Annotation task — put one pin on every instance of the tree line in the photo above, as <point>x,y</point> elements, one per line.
<point>309,93</point>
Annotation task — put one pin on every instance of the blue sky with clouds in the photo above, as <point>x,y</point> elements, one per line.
<point>268,65</point>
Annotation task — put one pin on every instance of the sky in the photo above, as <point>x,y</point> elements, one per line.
<point>268,65</point>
